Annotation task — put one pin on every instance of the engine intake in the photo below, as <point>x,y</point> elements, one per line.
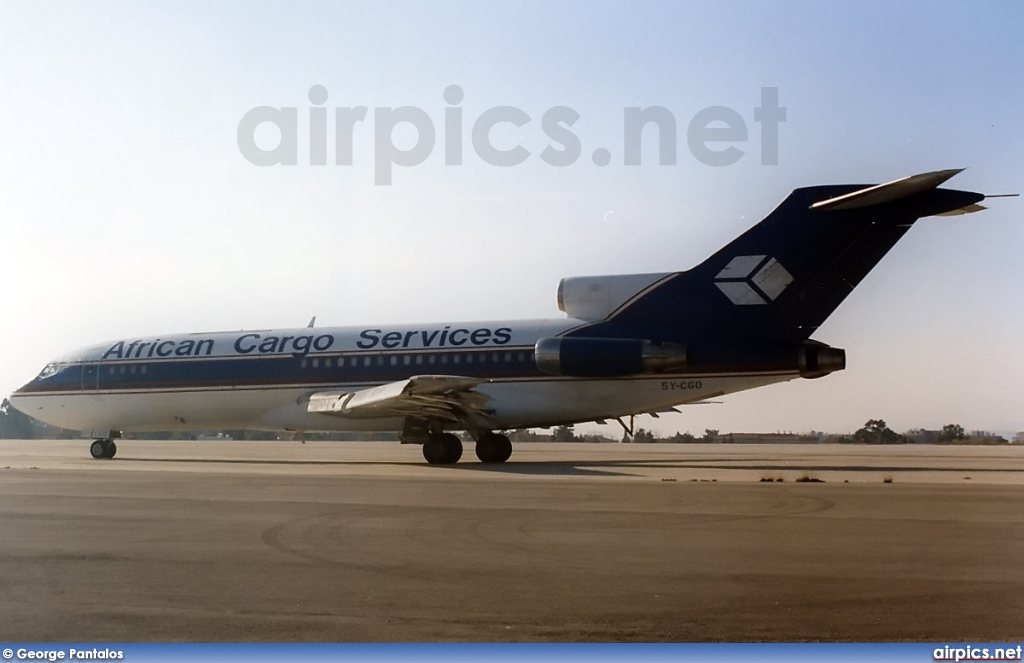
<point>606,357</point>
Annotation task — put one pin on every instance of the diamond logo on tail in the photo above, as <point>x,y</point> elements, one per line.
<point>753,280</point>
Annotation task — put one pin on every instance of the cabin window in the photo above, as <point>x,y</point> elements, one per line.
<point>112,369</point>
<point>316,363</point>
<point>406,360</point>
<point>394,360</point>
<point>419,359</point>
<point>121,371</point>
<point>366,362</point>
<point>431,359</point>
<point>469,358</point>
<point>456,358</point>
<point>303,363</point>
<point>143,369</point>
<point>444,359</point>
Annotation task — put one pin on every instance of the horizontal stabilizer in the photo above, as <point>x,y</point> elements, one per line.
<point>967,209</point>
<point>888,192</point>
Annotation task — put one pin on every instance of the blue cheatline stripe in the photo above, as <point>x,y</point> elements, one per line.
<point>288,371</point>
<point>535,653</point>
<point>278,370</point>
<point>140,387</point>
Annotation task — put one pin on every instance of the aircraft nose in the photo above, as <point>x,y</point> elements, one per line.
<point>44,381</point>
<point>17,398</point>
<point>33,397</point>
<point>23,389</point>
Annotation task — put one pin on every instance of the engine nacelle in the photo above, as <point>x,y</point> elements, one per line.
<point>594,298</point>
<point>818,360</point>
<point>606,357</point>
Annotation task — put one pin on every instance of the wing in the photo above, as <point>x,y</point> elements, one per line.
<point>446,397</point>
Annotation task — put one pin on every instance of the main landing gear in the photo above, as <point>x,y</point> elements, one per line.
<point>104,448</point>
<point>446,448</point>
<point>442,449</point>
<point>493,448</point>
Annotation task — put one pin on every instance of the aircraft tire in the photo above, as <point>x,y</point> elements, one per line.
<point>442,449</point>
<point>493,448</point>
<point>102,449</point>
<point>453,448</point>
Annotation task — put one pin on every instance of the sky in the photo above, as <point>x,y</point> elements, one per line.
<point>128,206</point>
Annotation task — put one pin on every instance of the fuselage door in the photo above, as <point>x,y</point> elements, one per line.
<point>90,376</point>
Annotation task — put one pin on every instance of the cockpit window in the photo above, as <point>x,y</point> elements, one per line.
<point>48,371</point>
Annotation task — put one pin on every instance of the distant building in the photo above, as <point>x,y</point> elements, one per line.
<point>212,436</point>
<point>772,438</point>
<point>922,436</point>
<point>985,437</point>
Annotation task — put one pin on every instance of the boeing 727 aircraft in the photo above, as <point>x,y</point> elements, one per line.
<point>629,344</point>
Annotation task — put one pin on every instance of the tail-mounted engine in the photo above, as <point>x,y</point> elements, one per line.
<point>817,360</point>
<point>607,357</point>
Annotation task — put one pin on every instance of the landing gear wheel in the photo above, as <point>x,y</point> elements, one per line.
<point>102,449</point>
<point>493,448</point>
<point>442,449</point>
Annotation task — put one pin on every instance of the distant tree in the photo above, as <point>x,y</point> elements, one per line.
<point>563,434</point>
<point>875,431</point>
<point>525,435</point>
<point>594,438</point>
<point>951,432</point>
<point>13,424</point>
<point>642,436</point>
<point>710,435</point>
<point>682,438</point>
<point>871,432</point>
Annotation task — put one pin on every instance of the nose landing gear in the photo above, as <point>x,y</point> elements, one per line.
<point>103,448</point>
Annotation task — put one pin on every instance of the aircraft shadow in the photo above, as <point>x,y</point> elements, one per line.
<point>529,468</point>
<point>605,468</point>
<point>598,468</point>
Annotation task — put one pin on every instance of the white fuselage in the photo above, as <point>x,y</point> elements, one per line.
<point>263,379</point>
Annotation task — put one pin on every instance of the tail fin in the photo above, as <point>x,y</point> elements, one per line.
<point>782,278</point>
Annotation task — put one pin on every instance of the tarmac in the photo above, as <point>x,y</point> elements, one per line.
<point>364,542</point>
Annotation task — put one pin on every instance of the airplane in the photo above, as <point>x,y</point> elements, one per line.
<point>628,345</point>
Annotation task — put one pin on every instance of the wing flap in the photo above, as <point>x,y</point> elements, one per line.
<point>445,397</point>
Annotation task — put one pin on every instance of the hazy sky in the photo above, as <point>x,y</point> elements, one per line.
<point>128,209</point>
